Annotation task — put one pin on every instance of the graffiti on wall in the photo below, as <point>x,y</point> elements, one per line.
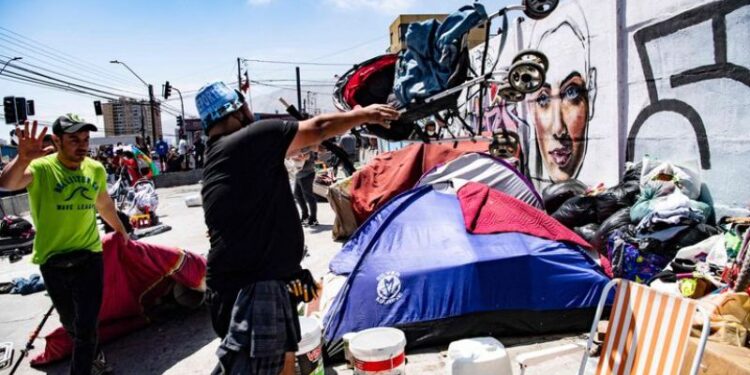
<point>560,113</point>
<point>716,13</point>
<point>672,80</point>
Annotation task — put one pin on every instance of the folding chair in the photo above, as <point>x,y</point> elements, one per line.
<point>648,333</point>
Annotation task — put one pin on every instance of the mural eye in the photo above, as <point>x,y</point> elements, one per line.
<point>572,93</point>
<point>542,100</point>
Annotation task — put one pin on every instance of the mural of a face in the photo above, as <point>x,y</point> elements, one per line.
<point>560,111</point>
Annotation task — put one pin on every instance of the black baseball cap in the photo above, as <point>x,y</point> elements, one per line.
<point>71,123</point>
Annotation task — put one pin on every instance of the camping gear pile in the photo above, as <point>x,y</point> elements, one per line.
<point>656,227</point>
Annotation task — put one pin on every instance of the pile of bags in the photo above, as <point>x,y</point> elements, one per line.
<point>640,224</point>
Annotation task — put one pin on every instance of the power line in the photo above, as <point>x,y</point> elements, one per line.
<point>60,80</point>
<point>41,83</point>
<point>348,49</point>
<point>295,63</point>
<point>73,60</point>
<point>76,78</point>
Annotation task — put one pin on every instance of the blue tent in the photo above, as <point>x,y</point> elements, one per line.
<point>414,266</point>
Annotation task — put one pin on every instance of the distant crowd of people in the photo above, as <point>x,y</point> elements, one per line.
<point>119,158</point>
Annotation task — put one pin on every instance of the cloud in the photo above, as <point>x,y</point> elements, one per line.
<point>383,6</point>
<point>259,2</point>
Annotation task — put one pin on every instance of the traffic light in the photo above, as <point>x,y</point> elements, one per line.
<point>9,109</point>
<point>98,107</point>
<point>30,107</point>
<point>180,122</point>
<point>167,90</point>
<point>20,109</point>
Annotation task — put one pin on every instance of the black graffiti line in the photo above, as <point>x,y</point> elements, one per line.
<point>714,71</point>
<point>715,11</point>
<point>681,108</point>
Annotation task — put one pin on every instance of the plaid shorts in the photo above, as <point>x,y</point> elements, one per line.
<point>263,327</point>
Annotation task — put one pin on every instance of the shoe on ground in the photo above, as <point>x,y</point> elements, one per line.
<point>312,223</point>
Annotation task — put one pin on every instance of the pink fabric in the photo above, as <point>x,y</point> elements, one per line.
<point>135,276</point>
<point>488,211</point>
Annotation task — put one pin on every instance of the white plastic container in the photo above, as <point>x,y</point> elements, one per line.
<point>310,354</point>
<point>478,356</point>
<point>194,200</point>
<point>379,351</point>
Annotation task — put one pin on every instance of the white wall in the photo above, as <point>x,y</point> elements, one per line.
<point>664,78</point>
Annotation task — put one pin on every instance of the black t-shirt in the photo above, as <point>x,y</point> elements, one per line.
<point>249,207</point>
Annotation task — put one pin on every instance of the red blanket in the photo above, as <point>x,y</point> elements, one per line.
<point>489,211</point>
<point>135,276</point>
<point>392,173</point>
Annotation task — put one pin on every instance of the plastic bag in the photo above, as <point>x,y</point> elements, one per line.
<point>686,178</point>
<point>620,220</point>
<point>587,232</point>
<point>556,194</point>
<point>577,212</point>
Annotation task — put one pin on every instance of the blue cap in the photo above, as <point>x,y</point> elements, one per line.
<point>215,101</point>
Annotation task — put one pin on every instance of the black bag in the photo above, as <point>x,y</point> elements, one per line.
<point>577,212</point>
<point>619,220</point>
<point>556,194</point>
<point>587,232</point>
<point>16,227</point>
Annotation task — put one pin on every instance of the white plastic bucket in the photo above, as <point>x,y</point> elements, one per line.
<point>378,351</point>
<point>478,356</point>
<point>310,354</point>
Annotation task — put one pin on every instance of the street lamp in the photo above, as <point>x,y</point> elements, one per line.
<point>150,99</point>
<point>8,62</point>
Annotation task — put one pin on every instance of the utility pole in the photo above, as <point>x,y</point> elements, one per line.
<point>153,116</point>
<point>299,90</point>
<point>239,75</point>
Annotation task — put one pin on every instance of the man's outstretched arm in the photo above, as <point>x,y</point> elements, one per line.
<point>313,131</point>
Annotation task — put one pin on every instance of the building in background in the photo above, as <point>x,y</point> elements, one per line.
<point>401,24</point>
<point>128,117</point>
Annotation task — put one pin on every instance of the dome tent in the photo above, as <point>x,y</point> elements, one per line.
<point>497,283</point>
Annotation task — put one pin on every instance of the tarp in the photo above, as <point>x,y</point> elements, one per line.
<point>135,276</point>
<point>488,170</point>
<point>414,266</point>
<point>392,173</point>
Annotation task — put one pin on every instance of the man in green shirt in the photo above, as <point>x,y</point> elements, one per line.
<point>66,189</point>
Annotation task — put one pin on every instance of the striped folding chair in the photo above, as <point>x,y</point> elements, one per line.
<point>648,333</point>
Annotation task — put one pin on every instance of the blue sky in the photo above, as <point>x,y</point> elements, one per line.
<point>190,42</point>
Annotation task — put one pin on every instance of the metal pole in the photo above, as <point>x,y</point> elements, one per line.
<point>8,62</point>
<point>153,117</point>
<point>182,105</point>
<point>299,90</point>
<point>239,75</point>
<point>143,122</point>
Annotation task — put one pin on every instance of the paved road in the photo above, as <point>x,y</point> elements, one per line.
<point>185,344</point>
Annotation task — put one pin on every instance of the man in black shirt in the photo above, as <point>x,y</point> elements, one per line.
<point>256,236</point>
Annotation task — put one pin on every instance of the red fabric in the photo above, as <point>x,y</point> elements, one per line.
<point>392,173</point>
<point>362,74</point>
<point>488,211</point>
<point>135,276</point>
